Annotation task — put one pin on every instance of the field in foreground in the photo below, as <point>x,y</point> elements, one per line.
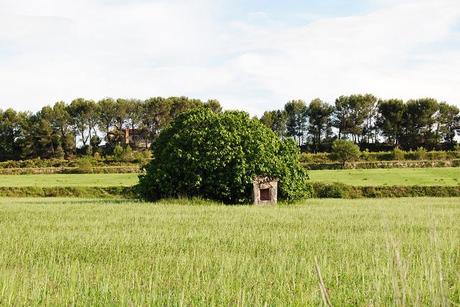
<point>95,252</point>
<point>449,176</point>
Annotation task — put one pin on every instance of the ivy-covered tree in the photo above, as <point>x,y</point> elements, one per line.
<point>217,156</point>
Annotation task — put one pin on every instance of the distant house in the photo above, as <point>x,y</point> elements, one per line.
<point>135,138</point>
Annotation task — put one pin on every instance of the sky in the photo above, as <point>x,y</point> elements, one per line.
<point>251,55</point>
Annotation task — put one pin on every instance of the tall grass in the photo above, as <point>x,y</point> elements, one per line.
<point>96,252</point>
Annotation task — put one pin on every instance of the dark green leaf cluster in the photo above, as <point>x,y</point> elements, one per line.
<point>217,156</point>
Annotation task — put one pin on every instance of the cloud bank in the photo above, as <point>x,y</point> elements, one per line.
<point>58,50</point>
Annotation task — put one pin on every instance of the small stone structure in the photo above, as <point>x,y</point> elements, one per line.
<point>265,191</point>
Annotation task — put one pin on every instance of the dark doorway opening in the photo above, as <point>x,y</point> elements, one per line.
<point>265,195</point>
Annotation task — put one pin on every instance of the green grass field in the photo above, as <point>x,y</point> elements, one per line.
<point>359,177</point>
<point>395,176</point>
<point>94,252</point>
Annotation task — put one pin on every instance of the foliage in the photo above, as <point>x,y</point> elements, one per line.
<point>218,156</point>
<point>118,153</point>
<point>420,153</point>
<point>345,151</point>
<point>296,113</point>
<point>398,154</point>
<point>320,122</point>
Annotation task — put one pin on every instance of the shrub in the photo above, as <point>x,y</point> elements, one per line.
<point>398,154</point>
<point>127,155</point>
<point>84,165</point>
<point>420,153</point>
<point>334,190</point>
<point>118,153</point>
<point>345,151</point>
<point>142,157</point>
<point>217,156</point>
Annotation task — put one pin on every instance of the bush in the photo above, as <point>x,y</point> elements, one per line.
<point>84,165</point>
<point>118,153</point>
<point>398,154</point>
<point>142,157</point>
<point>420,153</point>
<point>127,155</point>
<point>345,151</point>
<point>217,156</point>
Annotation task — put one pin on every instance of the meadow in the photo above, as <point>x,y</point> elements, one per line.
<point>100,252</point>
<point>449,176</point>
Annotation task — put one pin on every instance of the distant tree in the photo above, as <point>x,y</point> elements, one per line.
<point>214,105</point>
<point>84,117</point>
<point>107,114</point>
<point>296,112</point>
<point>354,116</point>
<point>345,151</point>
<point>447,122</point>
<point>182,104</point>
<point>418,123</point>
<point>10,131</point>
<point>156,115</point>
<point>275,120</point>
<point>320,121</point>
<point>61,122</point>
<point>389,119</point>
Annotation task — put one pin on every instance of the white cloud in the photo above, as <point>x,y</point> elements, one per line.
<point>54,50</point>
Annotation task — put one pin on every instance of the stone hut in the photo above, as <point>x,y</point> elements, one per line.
<point>265,191</point>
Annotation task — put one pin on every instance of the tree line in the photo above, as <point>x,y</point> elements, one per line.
<point>371,123</point>
<point>86,127</point>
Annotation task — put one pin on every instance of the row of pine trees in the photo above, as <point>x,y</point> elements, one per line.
<point>85,127</point>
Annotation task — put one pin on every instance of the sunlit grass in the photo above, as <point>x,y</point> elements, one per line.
<point>447,176</point>
<point>99,252</point>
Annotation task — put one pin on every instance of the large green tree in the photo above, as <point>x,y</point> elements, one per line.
<point>217,156</point>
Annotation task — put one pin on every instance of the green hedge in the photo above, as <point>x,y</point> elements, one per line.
<point>395,155</point>
<point>80,192</point>
<point>339,190</point>
<point>320,190</point>
<point>71,170</point>
<point>60,163</point>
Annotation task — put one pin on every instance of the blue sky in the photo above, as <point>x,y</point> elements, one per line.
<point>250,55</point>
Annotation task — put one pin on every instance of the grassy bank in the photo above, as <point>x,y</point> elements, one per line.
<point>94,252</point>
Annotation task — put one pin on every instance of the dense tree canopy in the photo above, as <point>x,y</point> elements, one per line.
<point>217,156</point>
